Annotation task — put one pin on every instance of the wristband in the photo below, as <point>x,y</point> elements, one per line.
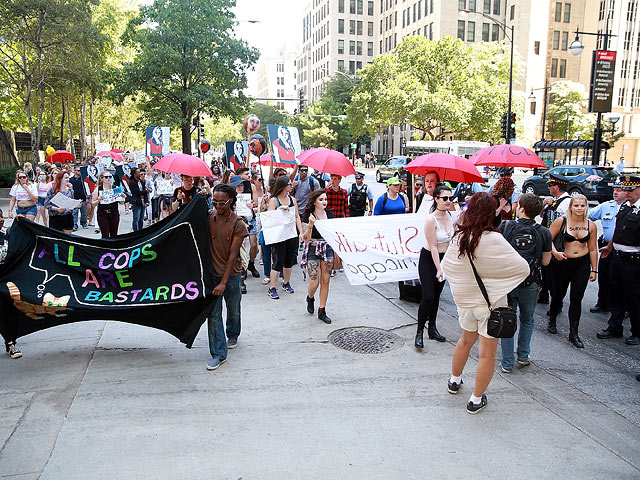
<point>594,271</point>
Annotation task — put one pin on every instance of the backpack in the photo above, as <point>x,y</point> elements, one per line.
<point>358,198</point>
<point>524,239</point>
<point>318,176</point>
<point>465,189</point>
<point>386,197</point>
<point>550,213</point>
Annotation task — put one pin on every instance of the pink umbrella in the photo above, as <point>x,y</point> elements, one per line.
<point>112,154</point>
<point>506,155</point>
<point>117,150</point>
<point>327,161</point>
<point>266,161</point>
<point>60,156</point>
<point>448,167</point>
<point>183,164</point>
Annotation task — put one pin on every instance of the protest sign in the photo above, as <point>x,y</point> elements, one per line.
<point>62,201</point>
<point>111,196</point>
<point>160,277</point>
<point>285,143</point>
<point>237,154</point>
<point>242,209</point>
<point>105,161</point>
<point>376,249</point>
<point>278,225</point>
<point>158,139</point>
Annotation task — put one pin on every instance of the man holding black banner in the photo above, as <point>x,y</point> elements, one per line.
<point>227,234</point>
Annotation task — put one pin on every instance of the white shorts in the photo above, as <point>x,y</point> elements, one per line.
<point>475,319</point>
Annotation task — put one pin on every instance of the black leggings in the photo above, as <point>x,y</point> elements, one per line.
<point>431,289</point>
<point>574,272</point>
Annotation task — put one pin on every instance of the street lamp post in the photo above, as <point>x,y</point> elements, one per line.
<point>504,26</point>
<point>576,49</point>
<point>544,105</point>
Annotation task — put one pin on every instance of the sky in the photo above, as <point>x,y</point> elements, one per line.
<point>280,27</point>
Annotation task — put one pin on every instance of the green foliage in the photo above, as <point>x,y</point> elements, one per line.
<point>572,97</point>
<point>224,129</point>
<point>268,115</point>
<point>7,176</point>
<point>438,87</point>
<point>187,60</point>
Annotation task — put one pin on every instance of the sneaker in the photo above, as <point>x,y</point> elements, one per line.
<point>13,351</point>
<point>85,226</point>
<point>523,361</point>
<point>310,308</point>
<point>232,343</point>
<point>453,387</point>
<point>288,288</point>
<point>97,230</point>
<point>476,407</point>
<point>243,289</point>
<point>215,363</point>
<point>505,369</point>
<point>273,293</point>
<point>266,281</point>
<point>75,228</point>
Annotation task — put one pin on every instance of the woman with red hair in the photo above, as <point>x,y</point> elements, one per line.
<point>60,218</point>
<point>501,269</point>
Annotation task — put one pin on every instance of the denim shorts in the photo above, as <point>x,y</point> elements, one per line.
<point>312,257</point>
<point>32,210</point>
<point>253,230</point>
<point>40,202</point>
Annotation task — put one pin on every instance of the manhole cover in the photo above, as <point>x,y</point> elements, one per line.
<point>365,340</point>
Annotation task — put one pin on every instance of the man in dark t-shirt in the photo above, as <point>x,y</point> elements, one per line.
<point>227,234</point>
<point>183,195</point>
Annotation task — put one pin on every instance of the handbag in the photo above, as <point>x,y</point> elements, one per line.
<point>503,321</point>
<point>558,242</point>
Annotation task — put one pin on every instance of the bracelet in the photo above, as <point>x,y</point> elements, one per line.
<point>594,271</point>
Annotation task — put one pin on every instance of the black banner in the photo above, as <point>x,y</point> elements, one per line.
<point>160,277</point>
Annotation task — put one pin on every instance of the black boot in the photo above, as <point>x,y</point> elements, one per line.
<point>551,328</point>
<point>419,340</point>
<point>434,334</point>
<point>573,335</point>
<point>310,305</point>
<point>322,315</point>
<point>252,269</point>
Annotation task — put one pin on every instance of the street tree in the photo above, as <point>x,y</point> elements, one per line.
<point>568,100</point>
<point>187,60</point>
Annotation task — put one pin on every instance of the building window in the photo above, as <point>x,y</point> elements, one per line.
<point>495,33</point>
<point>380,46</point>
<point>532,108</point>
<point>359,50</point>
<point>352,6</point>
<point>359,27</point>
<point>380,26</point>
<point>370,29</point>
<point>471,31</point>
<point>360,2</point>
<point>486,6</point>
<point>431,31</point>
<point>558,16</point>
<point>408,16</point>
<point>352,27</point>
<point>419,9</point>
<point>370,8</point>
<point>472,5</point>
<point>565,40</point>
<point>370,49</point>
<point>496,7</point>
<point>340,46</point>
<point>341,65</point>
<point>461,30</point>
<point>563,69</point>
<point>556,40</point>
<point>512,15</point>
<point>485,32</point>
<point>352,47</point>
<point>395,18</point>
<point>414,13</point>
<point>359,65</point>
<point>341,6</point>
<point>340,25</point>
<point>536,48</point>
<point>554,67</point>
<point>567,12</point>
<point>352,67</point>
<point>462,4</point>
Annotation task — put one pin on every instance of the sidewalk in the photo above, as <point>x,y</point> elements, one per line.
<point>112,400</point>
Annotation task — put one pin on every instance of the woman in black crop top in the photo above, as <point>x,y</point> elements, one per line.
<point>575,266</point>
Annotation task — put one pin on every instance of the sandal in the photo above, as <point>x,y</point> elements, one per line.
<point>266,281</point>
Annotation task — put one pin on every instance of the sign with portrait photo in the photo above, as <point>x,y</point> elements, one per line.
<point>285,144</point>
<point>158,140</point>
<point>237,154</point>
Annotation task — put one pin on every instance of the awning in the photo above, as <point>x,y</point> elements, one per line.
<point>568,145</point>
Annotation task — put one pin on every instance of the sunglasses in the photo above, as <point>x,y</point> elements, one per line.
<point>445,199</point>
<point>22,176</point>
<point>106,176</point>
<point>304,171</point>
<point>219,204</point>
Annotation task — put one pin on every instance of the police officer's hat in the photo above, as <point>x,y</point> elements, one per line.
<point>559,179</point>
<point>629,182</point>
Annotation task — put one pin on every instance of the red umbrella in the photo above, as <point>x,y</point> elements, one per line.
<point>112,154</point>
<point>183,164</point>
<point>448,167</point>
<point>60,156</point>
<point>266,161</point>
<point>327,161</point>
<point>117,150</point>
<point>506,155</point>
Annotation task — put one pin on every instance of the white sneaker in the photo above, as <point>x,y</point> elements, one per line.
<point>13,351</point>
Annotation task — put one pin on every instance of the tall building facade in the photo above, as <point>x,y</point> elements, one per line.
<point>278,81</point>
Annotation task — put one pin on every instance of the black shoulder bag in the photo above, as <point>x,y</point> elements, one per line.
<point>503,321</point>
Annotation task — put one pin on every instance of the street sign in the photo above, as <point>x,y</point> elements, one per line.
<point>602,73</point>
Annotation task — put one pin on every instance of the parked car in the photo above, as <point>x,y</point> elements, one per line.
<point>594,182</point>
<point>391,168</point>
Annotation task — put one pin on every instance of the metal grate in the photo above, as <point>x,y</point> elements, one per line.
<point>365,340</point>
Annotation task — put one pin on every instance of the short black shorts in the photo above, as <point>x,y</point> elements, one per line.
<point>61,222</point>
<point>284,254</point>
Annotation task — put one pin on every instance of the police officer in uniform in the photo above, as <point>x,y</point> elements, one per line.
<point>624,270</point>
<point>553,208</point>
<point>606,213</point>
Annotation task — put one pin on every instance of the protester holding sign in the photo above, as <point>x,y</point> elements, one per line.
<point>60,218</point>
<point>284,253</point>
<point>317,256</point>
<point>44,184</point>
<point>227,234</point>
<point>139,198</point>
<point>106,198</point>
<point>25,194</point>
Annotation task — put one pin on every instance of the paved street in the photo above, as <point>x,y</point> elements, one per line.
<point>113,400</point>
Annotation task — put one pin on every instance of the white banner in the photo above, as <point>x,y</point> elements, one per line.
<point>278,225</point>
<point>242,205</point>
<point>376,249</point>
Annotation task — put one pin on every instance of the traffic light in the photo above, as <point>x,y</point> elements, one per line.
<point>301,97</point>
<point>295,114</point>
<point>503,126</point>
<point>201,127</point>
<point>512,126</point>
